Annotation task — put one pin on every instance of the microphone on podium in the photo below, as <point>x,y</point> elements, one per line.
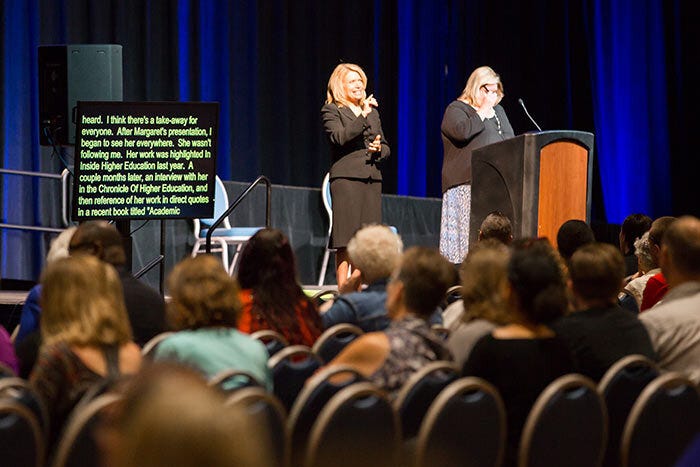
<point>522,104</point>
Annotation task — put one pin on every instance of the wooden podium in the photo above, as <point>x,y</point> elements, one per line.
<point>539,180</point>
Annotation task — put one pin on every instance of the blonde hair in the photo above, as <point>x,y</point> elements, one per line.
<point>202,294</point>
<point>484,274</point>
<point>83,303</point>
<point>59,245</point>
<point>336,86</point>
<point>479,77</point>
<point>376,251</point>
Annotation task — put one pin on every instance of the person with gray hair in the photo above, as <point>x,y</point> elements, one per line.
<point>648,266</point>
<point>375,252</point>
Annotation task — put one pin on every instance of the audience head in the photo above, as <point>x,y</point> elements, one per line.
<point>336,92</point>
<point>83,303</point>
<point>538,290</point>
<point>101,239</point>
<point>633,227</point>
<point>572,235</point>
<point>375,250</point>
<point>597,271</point>
<point>480,77</point>
<point>170,417</point>
<point>59,245</point>
<point>680,252</point>
<point>420,282</point>
<point>202,294</point>
<point>484,275</point>
<point>267,260</point>
<point>657,232</point>
<point>642,249</point>
<point>498,226</point>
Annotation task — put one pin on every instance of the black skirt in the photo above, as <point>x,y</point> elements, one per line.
<point>355,203</point>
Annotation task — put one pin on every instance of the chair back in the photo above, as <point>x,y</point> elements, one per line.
<point>77,445</point>
<point>20,391</point>
<point>233,379</point>
<point>334,339</point>
<point>290,368</point>
<point>441,331</point>
<point>419,391</point>
<point>267,413</point>
<point>273,340</point>
<point>150,346</point>
<point>663,421</point>
<point>317,391</point>
<point>21,437</point>
<point>358,426</point>
<point>620,387</point>
<point>465,425</point>
<point>220,205</point>
<point>566,426</point>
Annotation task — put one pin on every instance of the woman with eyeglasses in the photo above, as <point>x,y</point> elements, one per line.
<point>473,120</point>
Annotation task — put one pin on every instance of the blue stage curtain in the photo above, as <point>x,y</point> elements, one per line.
<point>628,71</point>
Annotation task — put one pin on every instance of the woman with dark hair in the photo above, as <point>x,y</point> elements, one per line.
<point>271,295</point>
<point>524,356</point>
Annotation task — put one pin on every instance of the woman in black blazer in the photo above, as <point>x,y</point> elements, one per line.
<point>351,123</point>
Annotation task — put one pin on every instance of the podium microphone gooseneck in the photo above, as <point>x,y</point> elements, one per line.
<point>522,104</point>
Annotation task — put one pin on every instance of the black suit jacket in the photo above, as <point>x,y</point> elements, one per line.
<point>349,137</point>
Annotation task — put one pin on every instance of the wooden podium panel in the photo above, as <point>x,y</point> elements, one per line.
<point>562,188</point>
<point>539,180</point>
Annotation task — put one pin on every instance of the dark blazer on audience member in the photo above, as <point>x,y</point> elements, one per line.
<point>599,337</point>
<point>350,136</point>
<point>145,307</point>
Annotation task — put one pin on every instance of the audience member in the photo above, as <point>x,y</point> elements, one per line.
<point>390,357</point>
<point>31,310</point>
<point>145,306</point>
<point>632,229</point>
<point>7,352</point>
<point>496,225</point>
<point>656,286</point>
<point>647,267</point>
<point>271,296</point>
<point>204,309</point>
<point>482,307</point>
<point>674,324</point>
<point>572,235</point>
<point>85,334</point>
<point>520,359</point>
<point>170,418</point>
<point>600,332</point>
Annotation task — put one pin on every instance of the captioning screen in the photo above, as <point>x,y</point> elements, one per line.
<point>145,160</point>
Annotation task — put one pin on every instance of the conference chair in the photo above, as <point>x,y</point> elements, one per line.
<point>317,391</point>
<point>334,339</point>
<point>273,340</point>
<point>620,387</point>
<point>465,425</point>
<point>233,380</point>
<point>19,390</point>
<point>567,425</point>
<point>290,368</point>
<point>224,236</point>
<point>664,420</point>
<point>419,391</point>
<point>150,346</point>
<point>78,445</point>
<point>267,412</point>
<point>21,438</point>
<point>357,427</point>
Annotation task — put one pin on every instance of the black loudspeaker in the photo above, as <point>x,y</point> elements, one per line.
<point>72,73</point>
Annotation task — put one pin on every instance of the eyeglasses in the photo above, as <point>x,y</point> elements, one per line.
<point>489,91</point>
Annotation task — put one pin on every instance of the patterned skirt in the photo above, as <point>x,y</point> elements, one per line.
<point>454,225</point>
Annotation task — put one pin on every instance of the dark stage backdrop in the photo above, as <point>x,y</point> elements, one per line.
<point>625,70</point>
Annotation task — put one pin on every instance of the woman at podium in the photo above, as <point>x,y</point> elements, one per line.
<point>473,120</point>
<point>354,131</point>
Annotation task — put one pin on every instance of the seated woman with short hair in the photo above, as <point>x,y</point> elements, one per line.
<point>204,309</point>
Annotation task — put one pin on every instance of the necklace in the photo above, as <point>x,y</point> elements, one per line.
<point>498,124</point>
